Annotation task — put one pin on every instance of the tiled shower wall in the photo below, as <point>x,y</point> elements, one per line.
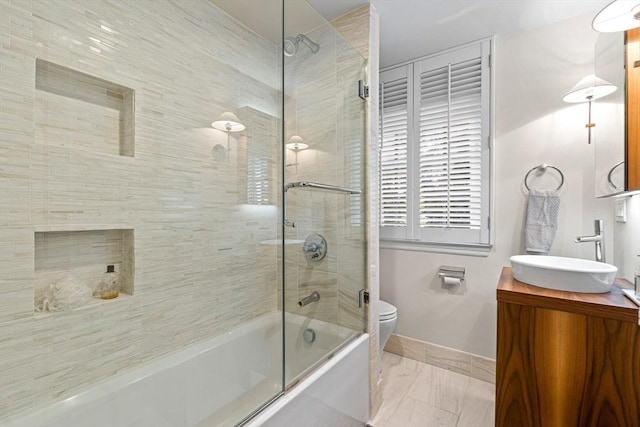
<point>323,107</point>
<point>199,267</point>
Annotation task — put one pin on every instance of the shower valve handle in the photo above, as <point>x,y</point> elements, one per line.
<point>315,247</point>
<point>311,247</point>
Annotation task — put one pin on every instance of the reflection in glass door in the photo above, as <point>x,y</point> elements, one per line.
<point>324,232</point>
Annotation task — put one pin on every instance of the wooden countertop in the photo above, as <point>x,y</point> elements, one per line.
<point>611,305</point>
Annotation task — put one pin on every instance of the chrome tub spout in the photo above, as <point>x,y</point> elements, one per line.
<point>313,297</point>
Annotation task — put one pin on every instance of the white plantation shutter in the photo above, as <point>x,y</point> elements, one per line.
<point>447,164</point>
<point>450,146</point>
<point>395,115</point>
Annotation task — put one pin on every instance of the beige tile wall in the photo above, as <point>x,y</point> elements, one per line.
<point>199,266</point>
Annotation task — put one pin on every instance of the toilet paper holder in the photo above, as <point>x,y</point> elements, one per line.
<point>451,274</point>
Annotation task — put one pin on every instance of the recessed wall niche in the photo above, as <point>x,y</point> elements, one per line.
<point>84,256</point>
<point>80,111</point>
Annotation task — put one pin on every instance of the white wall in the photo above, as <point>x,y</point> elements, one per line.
<point>533,71</point>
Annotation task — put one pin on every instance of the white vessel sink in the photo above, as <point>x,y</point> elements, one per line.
<point>563,274</point>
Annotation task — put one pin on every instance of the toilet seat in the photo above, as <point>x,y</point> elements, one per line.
<point>387,311</point>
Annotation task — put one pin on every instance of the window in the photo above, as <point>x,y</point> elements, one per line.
<point>435,151</point>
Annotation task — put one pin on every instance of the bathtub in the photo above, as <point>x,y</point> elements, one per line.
<point>220,381</point>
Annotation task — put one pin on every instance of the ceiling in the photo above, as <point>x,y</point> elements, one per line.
<point>414,28</point>
<point>264,16</point>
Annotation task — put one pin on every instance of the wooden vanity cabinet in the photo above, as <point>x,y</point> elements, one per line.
<point>566,359</point>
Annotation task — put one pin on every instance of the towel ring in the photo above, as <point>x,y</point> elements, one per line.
<point>611,173</point>
<point>541,168</point>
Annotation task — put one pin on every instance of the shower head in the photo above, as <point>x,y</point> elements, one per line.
<point>290,45</point>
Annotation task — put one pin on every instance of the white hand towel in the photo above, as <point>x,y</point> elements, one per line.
<point>542,221</point>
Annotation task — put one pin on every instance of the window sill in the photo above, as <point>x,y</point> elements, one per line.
<point>479,250</point>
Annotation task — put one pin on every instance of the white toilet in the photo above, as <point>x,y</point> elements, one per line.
<point>388,317</point>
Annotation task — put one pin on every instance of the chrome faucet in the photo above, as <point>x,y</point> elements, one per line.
<point>598,238</point>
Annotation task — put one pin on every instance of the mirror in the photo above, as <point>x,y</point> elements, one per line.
<point>633,109</point>
<point>617,161</point>
<point>609,116</point>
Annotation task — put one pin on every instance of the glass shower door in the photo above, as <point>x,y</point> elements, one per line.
<point>324,223</point>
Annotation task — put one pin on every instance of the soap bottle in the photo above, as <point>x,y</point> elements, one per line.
<point>109,285</point>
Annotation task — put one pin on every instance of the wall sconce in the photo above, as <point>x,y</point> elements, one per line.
<point>589,89</point>
<point>295,144</point>
<point>228,122</point>
<point>620,15</point>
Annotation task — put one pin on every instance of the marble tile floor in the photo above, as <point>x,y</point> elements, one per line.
<point>416,394</point>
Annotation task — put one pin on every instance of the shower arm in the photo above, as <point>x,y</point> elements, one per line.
<point>312,185</point>
<point>313,46</point>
